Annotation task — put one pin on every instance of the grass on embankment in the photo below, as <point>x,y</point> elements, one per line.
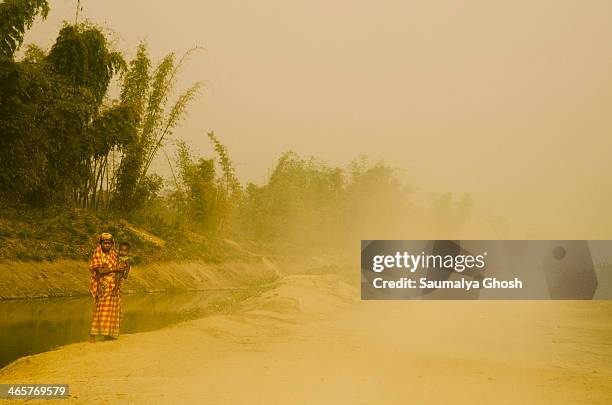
<point>70,234</point>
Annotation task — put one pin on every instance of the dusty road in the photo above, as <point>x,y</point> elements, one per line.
<point>311,341</point>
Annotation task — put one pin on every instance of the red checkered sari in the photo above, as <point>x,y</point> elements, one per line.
<point>107,305</point>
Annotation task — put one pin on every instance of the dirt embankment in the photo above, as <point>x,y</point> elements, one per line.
<point>67,278</point>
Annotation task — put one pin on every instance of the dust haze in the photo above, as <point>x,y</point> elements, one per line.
<point>506,102</point>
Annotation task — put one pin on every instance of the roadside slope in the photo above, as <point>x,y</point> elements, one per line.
<point>65,278</point>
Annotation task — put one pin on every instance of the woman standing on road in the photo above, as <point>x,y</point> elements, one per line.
<point>107,302</point>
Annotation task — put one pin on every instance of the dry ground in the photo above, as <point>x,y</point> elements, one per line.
<point>311,341</point>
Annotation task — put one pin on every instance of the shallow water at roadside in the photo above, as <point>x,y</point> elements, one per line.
<point>34,326</point>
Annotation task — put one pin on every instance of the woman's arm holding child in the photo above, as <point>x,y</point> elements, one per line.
<point>104,269</point>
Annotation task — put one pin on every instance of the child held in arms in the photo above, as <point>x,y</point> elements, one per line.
<point>124,261</point>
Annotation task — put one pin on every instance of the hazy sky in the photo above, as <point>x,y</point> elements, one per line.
<point>510,101</point>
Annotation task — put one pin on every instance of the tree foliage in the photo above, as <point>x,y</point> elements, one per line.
<point>196,199</point>
<point>56,129</point>
<point>148,93</point>
<point>205,198</point>
<point>81,54</point>
<point>228,181</point>
<point>63,140</point>
<point>16,17</point>
<point>309,206</point>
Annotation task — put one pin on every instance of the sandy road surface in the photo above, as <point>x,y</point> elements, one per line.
<point>312,341</point>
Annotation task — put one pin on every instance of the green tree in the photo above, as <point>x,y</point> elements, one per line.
<point>16,17</point>
<point>63,141</point>
<point>298,205</point>
<point>204,198</point>
<point>148,93</point>
<point>56,129</point>
<point>198,192</point>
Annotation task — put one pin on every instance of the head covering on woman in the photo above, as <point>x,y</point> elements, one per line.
<point>104,236</point>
